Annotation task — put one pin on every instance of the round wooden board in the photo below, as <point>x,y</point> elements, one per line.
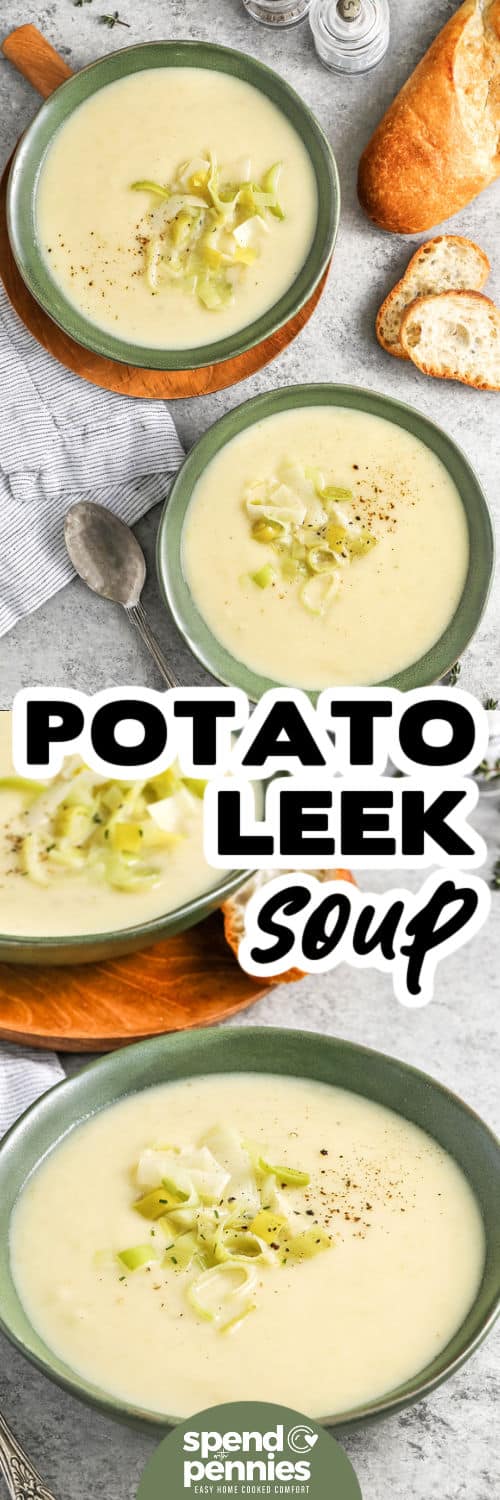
<point>189,980</point>
<point>33,56</point>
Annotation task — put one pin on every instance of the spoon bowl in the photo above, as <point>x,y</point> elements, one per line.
<point>107,556</point>
<point>105,553</point>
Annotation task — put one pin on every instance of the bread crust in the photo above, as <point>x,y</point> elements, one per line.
<point>437,146</point>
<point>233,925</point>
<point>396,349</point>
<point>446,373</point>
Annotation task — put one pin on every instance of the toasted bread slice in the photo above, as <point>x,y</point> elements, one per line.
<point>447,263</point>
<point>234,912</point>
<point>455,336</point>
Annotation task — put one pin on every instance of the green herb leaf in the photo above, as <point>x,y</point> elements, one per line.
<point>454,674</point>
<point>114,19</point>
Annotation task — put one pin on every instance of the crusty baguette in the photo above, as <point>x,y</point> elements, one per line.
<point>447,263</point>
<point>438,144</point>
<point>456,336</point>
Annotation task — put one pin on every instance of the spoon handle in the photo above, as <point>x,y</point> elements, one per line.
<point>22,1480</point>
<point>139,618</point>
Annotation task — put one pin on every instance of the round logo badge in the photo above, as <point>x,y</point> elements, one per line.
<point>245,1449</point>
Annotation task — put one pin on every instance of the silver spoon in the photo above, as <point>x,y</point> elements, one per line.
<point>22,1479</point>
<point>107,555</point>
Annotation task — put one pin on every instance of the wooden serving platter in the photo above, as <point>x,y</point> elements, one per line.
<point>34,57</point>
<point>190,980</point>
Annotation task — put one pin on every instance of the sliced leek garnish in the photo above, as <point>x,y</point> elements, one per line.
<point>219,1220</point>
<point>224,1294</point>
<point>264,577</point>
<point>205,230</point>
<point>137,1256</point>
<point>146,186</point>
<point>291,1176</point>
<point>80,822</point>
<point>311,529</point>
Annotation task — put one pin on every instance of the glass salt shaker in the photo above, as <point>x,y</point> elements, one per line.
<point>277,12</point>
<point>350,36</point>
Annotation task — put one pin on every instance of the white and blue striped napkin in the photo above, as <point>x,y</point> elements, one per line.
<point>24,1075</point>
<point>63,440</point>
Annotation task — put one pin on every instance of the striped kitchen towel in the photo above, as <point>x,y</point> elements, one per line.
<point>63,440</point>
<point>24,1075</point>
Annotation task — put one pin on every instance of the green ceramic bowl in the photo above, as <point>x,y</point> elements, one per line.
<point>436,662</point>
<point>264,1050</point>
<point>93,947</point>
<point>30,153</point>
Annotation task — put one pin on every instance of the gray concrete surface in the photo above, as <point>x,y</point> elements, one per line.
<point>444,1449</point>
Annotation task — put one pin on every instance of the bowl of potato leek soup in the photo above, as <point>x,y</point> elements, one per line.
<point>236,1185</point>
<point>90,868</point>
<point>173,204</point>
<point>322,536</point>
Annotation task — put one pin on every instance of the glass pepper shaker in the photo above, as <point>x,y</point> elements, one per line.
<point>277,12</point>
<point>350,36</point>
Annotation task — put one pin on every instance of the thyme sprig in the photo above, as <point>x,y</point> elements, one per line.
<point>454,674</point>
<point>113,19</point>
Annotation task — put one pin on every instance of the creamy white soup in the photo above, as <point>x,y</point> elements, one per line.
<point>80,855</point>
<point>175,206</point>
<point>325,546</point>
<point>225,1223</point>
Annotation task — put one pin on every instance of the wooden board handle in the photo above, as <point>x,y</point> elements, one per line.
<point>34,57</point>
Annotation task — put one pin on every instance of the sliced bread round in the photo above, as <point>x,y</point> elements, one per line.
<point>447,263</point>
<point>455,336</point>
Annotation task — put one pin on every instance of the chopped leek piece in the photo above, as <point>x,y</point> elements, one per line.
<point>181,227</point>
<point>31,860</point>
<point>196,785</point>
<point>157,1203</point>
<point>153,258</point>
<point>264,577</point>
<point>267,531</point>
<point>223,1294</point>
<point>212,292</point>
<point>270,184</point>
<point>318,592</point>
<point>292,568</point>
<point>309,1242</point>
<point>335,492</point>
<point>360,543</point>
<point>321,559</point>
<point>137,1255</point>
<point>135,877</point>
<point>165,784</point>
<point>231,1243</point>
<point>150,187</point>
<point>126,837</point>
<point>269,1226</point>
<point>289,1175</point>
<point>335,534</point>
<point>22,784</point>
<point>73,823</point>
<point>153,836</point>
